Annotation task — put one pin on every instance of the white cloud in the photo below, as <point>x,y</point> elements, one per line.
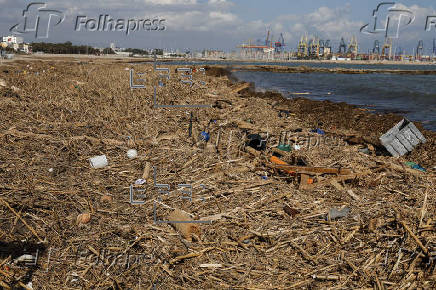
<point>171,2</point>
<point>324,22</point>
<point>216,20</point>
<point>222,17</point>
<point>223,4</point>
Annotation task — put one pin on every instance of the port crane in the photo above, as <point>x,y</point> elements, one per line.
<point>434,47</point>
<point>280,44</point>
<point>322,48</point>
<point>419,49</point>
<point>268,47</point>
<point>327,48</point>
<point>302,47</point>
<point>353,47</point>
<point>376,47</point>
<point>314,48</point>
<point>342,45</point>
<point>387,46</point>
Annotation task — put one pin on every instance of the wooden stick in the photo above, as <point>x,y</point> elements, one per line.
<point>424,207</point>
<point>4,285</point>
<point>299,284</point>
<point>253,151</point>
<point>242,188</point>
<point>190,255</point>
<point>210,265</point>
<point>328,277</point>
<point>218,138</point>
<point>24,222</point>
<point>305,254</point>
<point>406,227</point>
<point>400,255</point>
<point>353,195</point>
<point>106,141</point>
<point>146,172</point>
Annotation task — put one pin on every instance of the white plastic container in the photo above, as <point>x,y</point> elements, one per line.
<point>132,153</point>
<point>98,161</point>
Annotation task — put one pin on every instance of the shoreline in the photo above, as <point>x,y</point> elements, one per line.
<point>358,62</point>
<point>372,109</point>
<point>146,59</point>
<point>336,116</point>
<point>305,69</point>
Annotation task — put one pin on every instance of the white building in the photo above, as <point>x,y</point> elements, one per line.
<point>118,50</point>
<point>16,43</point>
<point>12,39</point>
<point>24,48</point>
<point>122,53</point>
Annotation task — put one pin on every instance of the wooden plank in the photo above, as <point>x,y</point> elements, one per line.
<point>279,163</point>
<point>312,170</point>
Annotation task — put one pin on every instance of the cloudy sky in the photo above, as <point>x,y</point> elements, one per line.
<point>223,24</point>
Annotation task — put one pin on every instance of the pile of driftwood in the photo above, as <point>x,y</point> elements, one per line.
<point>200,206</point>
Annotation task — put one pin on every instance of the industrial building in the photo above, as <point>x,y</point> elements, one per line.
<point>315,48</point>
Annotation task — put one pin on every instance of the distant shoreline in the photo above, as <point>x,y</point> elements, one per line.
<point>147,59</point>
<point>358,62</point>
<point>305,69</point>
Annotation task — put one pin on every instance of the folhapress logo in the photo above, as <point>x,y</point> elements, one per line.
<point>388,19</point>
<point>38,19</point>
<point>107,23</point>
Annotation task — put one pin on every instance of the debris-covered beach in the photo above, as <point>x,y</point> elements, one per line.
<point>228,188</point>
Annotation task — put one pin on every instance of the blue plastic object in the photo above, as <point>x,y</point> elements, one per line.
<point>284,147</point>
<point>204,136</point>
<point>416,166</point>
<point>319,131</point>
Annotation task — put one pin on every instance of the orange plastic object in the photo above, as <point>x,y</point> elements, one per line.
<point>278,161</point>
